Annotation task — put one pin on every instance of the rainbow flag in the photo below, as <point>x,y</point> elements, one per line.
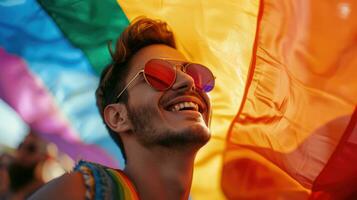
<point>284,106</point>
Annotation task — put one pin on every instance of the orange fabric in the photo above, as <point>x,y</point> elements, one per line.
<point>300,94</point>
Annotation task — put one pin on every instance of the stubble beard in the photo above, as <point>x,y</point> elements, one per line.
<point>150,135</point>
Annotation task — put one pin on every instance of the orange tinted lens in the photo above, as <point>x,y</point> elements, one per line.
<point>159,74</point>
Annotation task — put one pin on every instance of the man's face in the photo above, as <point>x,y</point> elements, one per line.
<point>31,151</point>
<point>151,112</point>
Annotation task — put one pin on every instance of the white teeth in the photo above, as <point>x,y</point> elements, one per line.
<point>182,105</point>
<point>176,107</point>
<point>187,104</point>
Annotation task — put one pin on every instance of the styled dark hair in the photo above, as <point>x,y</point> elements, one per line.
<point>141,33</point>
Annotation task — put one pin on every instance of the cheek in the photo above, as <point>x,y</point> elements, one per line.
<point>141,94</point>
<point>145,98</point>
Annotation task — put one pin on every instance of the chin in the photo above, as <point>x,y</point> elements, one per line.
<point>200,133</point>
<point>194,136</point>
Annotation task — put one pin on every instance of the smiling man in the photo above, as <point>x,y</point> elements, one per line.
<point>154,103</point>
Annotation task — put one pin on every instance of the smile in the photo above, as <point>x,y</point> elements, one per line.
<point>184,106</point>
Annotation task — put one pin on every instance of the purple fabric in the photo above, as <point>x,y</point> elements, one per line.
<point>27,95</point>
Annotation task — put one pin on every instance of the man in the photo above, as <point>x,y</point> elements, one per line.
<point>155,105</point>
<point>21,175</point>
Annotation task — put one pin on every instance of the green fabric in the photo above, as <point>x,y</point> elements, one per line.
<point>89,25</point>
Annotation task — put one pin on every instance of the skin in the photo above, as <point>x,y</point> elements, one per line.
<point>158,170</point>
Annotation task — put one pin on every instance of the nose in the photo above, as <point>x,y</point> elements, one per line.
<point>183,81</point>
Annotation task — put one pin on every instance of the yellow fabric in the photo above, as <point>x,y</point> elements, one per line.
<point>219,34</point>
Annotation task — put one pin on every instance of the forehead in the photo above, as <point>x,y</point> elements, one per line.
<point>153,51</point>
<point>30,138</point>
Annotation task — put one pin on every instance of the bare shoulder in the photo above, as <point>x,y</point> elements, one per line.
<point>68,186</point>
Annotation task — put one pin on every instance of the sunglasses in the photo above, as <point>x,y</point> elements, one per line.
<point>161,75</point>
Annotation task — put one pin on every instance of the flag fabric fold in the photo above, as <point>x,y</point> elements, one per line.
<point>90,25</point>
<point>299,98</point>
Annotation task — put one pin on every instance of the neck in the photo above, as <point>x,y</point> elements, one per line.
<point>161,174</point>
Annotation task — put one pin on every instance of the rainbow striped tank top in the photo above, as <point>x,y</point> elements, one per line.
<point>104,183</point>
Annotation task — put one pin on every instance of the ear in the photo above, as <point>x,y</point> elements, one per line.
<point>116,117</point>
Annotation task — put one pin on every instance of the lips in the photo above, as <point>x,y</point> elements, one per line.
<point>183,103</point>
